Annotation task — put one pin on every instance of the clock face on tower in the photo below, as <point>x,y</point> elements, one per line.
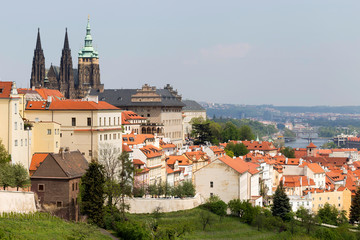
<point>87,71</point>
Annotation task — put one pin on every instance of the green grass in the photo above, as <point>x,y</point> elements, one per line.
<point>44,226</point>
<point>226,228</point>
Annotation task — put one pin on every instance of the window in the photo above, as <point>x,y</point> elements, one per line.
<point>99,121</point>
<point>25,142</point>
<point>41,187</point>
<point>16,143</point>
<point>100,137</point>
<point>105,137</point>
<point>20,126</point>
<point>211,184</point>
<point>59,204</point>
<point>57,144</point>
<point>73,187</point>
<point>15,125</point>
<point>49,132</point>
<point>73,121</point>
<point>76,186</point>
<point>89,121</point>
<point>211,194</point>
<point>15,108</point>
<point>109,121</point>
<point>90,153</point>
<point>320,198</point>
<point>114,136</point>
<point>21,142</point>
<point>148,114</point>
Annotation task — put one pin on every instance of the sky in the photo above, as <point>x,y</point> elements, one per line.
<point>300,53</point>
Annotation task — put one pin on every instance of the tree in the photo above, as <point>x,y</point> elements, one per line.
<point>238,149</point>
<point>4,155</point>
<point>288,152</point>
<point>7,176</point>
<point>355,208</point>
<point>126,179</point>
<point>328,214</point>
<point>201,132</point>
<point>230,132</point>
<point>281,203</point>
<point>92,193</point>
<point>21,176</point>
<point>246,133</point>
<point>108,157</point>
<point>307,218</point>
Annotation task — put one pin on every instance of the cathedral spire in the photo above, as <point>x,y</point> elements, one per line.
<point>38,41</point>
<point>88,50</point>
<point>66,41</point>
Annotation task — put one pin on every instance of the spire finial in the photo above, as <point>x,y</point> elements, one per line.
<point>38,41</point>
<point>66,42</point>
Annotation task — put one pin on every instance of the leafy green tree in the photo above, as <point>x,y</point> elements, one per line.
<point>244,210</point>
<point>328,214</point>
<point>201,132</point>
<point>355,208</point>
<point>188,188</point>
<point>126,178</point>
<point>4,155</point>
<point>215,205</point>
<point>21,176</point>
<point>152,190</point>
<point>216,130</point>
<point>281,203</point>
<point>288,152</point>
<point>230,132</point>
<point>92,193</point>
<point>7,176</point>
<point>308,219</point>
<point>246,133</point>
<point>238,149</point>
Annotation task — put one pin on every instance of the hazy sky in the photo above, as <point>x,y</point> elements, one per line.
<point>304,52</point>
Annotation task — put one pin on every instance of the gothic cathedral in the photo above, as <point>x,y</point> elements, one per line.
<point>72,83</point>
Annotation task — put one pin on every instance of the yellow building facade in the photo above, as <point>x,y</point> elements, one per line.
<point>340,199</point>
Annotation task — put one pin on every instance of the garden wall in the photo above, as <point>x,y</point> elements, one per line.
<point>20,202</point>
<point>147,205</point>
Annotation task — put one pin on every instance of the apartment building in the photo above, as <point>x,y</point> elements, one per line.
<point>86,125</point>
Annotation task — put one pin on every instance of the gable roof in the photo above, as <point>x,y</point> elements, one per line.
<point>130,115</point>
<point>5,89</point>
<point>73,164</point>
<point>36,160</point>
<point>240,165</point>
<point>151,151</point>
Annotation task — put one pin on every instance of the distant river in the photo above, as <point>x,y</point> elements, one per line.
<point>302,143</point>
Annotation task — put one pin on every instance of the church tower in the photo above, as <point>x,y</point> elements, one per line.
<point>38,65</point>
<point>66,74</point>
<point>88,66</point>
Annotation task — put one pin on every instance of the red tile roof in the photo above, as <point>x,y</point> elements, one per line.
<point>151,151</point>
<point>259,145</point>
<point>240,165</point>
<point>297,181</point>
<point>315,168</point>
<point>36,160</point>
<point>311,145</point>
<point>182,160</point>
<point>126,148</point>
<point>135,139</point>
<point>138,162</point>
<point>54,94</point>
<point>5,89</point>
<point>130,115</point>
<point>69,104</point>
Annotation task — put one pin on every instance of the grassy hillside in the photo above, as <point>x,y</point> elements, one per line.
<point>44,226</point>
<point>226,228</point>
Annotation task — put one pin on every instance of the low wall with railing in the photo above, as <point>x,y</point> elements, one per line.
<point>19,202</point>
<point>148,205</point>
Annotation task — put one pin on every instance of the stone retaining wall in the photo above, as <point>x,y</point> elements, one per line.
<point>19,202</point>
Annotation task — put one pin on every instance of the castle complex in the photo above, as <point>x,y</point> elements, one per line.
<point>72,83</point>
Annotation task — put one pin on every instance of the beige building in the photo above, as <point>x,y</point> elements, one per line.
<point>229,179</point>
<point>13,134</point>
<point>45,137</point>
<point>85,125</point>
<point>341,198</point>
<point>191,110</point>
<point>161,107</point>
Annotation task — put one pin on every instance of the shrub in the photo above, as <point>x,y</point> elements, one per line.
<point>132,230</point>
<point>215,205</point>
<point>327,234</point>
<point>111,216</point>
<point>188,188</point>
<point>244,210</point>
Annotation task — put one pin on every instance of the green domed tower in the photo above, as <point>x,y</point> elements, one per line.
<point>88,66</point>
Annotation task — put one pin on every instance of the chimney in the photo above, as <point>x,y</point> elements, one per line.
<point>286,161</point>
<point>61,152</point>
<point>300,181</point>
<point>49,98</point>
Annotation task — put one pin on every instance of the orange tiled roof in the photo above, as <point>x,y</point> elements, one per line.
<point>54,94</point>
<point>5,89</point>
<point>166,145</point>
<point>258,145</point>
<point>196,155</point>
<point>297,181</point>
<point>240,165</point>
<point>151,151</point>
<point>315,168</point>
<point>182,160</point>
<point>138,162</point>
<point>130,115</point>
<point>335,175</point>
<point>126,148</point>
<point>217,150</point>
<point>69,104</point>
<point>135,139</point>
<point>311,145</point>
<point>36,160</point>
